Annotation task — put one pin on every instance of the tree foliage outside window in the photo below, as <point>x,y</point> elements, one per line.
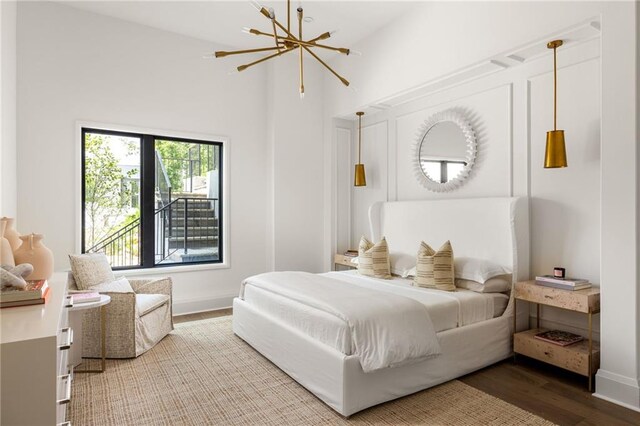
<point>107,188</point>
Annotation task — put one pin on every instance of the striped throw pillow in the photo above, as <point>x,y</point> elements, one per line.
<point>434,269</point>
<point>373,259</point>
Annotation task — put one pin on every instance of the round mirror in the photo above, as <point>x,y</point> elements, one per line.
<point>445,151</point>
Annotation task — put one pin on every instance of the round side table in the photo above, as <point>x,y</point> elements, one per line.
<point>75,320</point>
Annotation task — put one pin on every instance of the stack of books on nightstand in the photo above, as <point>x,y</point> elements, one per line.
<point>351,253</point>
<point>563,283</point>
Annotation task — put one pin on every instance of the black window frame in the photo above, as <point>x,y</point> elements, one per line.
<point>147,195</point>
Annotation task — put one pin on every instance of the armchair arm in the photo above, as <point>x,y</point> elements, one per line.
<point>153,286</point>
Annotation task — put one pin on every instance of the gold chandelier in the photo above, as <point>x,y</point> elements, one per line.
<point>287,42</point>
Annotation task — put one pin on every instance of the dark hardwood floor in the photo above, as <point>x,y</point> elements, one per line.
<point>552,393</point>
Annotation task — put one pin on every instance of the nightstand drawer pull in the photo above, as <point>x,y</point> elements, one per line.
<point>546,296</point>
<point>66,345</point>
<point>546,353</point>
<point>67,397</point>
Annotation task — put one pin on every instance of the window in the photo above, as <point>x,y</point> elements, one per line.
<point>151,200</point>
<point>442,171</point>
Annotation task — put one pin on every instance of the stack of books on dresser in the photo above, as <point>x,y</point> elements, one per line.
<point>563,283</point>
<point>35,293</point>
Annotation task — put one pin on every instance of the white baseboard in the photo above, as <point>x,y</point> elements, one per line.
<point>193,306</point>
<point>618,389</point>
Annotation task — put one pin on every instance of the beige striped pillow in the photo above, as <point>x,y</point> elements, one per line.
<point>434,269</point>
<point>373,259</point>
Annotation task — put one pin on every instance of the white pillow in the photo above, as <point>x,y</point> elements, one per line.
<point>479,270</point>
<point>499,284</point>
<point>120,285</point>
<point>402,264</point>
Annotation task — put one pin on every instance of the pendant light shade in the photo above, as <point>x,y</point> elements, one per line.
<point>359,178</point>
<point>555,154</point>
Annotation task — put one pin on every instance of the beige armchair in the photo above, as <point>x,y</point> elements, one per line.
<point>135,322</point>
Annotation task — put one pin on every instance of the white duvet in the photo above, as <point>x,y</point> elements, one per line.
<point>386,329</point>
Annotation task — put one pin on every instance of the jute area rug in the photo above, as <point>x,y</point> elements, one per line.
<point>202,374</point>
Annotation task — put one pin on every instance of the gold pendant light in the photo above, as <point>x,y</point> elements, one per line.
<point>360,178</point>
<point>284,41</point>
<point>555,154</point>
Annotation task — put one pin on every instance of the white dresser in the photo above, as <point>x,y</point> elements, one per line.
<point>35,378</point>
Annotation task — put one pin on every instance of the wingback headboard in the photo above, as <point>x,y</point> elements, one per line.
<point>495,229</point>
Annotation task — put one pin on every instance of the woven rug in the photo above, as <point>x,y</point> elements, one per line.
<point>202,374</point>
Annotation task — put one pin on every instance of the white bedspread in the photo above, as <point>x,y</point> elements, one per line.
<point>387,329</point>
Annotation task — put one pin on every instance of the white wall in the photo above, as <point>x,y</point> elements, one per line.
<point>8,180</point>
<point>584,216</point>
<point>74,65</point>
<point>295,180</point>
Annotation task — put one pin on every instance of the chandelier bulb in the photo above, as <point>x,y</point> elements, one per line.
<point>208,56</point>
<point>246,30</point>
<point>355,52</point>
<point>255,4</point>
<point>301,96</point>
<point>233,71</point>
<point>272,13</point>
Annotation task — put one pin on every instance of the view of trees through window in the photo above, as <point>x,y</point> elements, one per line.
<point>175,220</point>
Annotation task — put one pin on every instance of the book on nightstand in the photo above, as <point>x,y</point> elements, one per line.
<point>558,337</point>
<point>563,281</point>
<point>561,286</point>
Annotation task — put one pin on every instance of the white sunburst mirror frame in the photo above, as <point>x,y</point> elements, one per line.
<point>462,121</point>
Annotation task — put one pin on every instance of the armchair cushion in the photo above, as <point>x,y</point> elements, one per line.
<point>90,269</point>
<point>146,303</point>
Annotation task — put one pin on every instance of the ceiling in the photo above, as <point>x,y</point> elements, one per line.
<point>222,21</point>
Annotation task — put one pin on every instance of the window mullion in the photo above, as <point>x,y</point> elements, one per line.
<point>147,195</point>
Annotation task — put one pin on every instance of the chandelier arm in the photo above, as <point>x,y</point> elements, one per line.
<point>288,15</point>
<point>275,35</point>
<point>223,53</point>
<point>322,36</point>
<point>266,58</point>
<point>342,79</point>
<point>312,44</point>
<point>301,52</point>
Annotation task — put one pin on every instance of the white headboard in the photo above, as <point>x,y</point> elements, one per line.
<point>496,229</point>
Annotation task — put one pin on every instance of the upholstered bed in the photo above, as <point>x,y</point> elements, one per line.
<point>472,330</point>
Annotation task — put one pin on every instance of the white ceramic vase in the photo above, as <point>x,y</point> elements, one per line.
<point>37,254</point>
<point>11,234</point>
<point>6,254</point>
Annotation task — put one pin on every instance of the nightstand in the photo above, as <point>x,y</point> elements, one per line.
<point>582,357</point>
<point>342,260</point>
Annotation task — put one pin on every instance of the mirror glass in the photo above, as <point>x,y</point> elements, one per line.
<point>443,152</point>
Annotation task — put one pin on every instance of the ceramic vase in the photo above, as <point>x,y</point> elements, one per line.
<point>11,234</point>
<point>6,254</point>
<point>37,254</point>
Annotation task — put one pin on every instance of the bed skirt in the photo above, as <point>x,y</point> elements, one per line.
<point>338,379</point>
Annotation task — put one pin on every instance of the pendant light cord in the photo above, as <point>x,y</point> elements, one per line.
<point>359,137</point>
<point>555,89</point>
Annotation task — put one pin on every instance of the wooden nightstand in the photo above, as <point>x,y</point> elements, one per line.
<point>342,260</point>
<point>582,357</point>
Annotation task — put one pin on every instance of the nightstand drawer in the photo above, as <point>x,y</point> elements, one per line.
<point>587,300</point>
<point>341,259</point>
<point>572,357</point>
